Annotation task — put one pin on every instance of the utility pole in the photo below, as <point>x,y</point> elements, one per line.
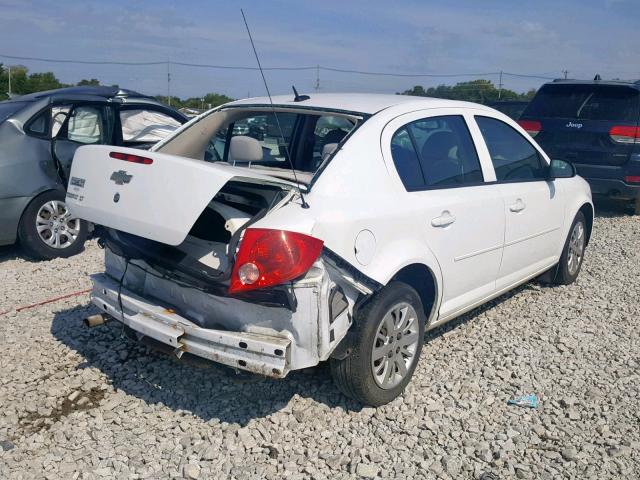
<point>9,66</point>
<point>566,72</point>
<point>169,82</point>
<point>317,77</point>
<point>500,86</point>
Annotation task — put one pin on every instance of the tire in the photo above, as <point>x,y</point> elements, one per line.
<point>354,375</point>
<point>61,235</point>
<point>636,206</point>
<point>573,253</point>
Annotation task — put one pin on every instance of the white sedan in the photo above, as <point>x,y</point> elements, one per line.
<point>339,227</point>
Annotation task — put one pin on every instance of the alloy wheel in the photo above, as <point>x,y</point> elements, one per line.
<point>55,225</point>
<point>576,248</point>
<point>395,345</point>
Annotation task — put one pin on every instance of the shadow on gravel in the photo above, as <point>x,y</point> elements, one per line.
<point>608,208</point>
<point>208,390</point>
<point>11,252</point>
<point>431,335</point>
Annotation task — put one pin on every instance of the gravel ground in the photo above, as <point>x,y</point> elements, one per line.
<point>87,403</point>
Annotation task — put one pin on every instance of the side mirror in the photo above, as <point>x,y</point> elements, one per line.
<point>561,169</point>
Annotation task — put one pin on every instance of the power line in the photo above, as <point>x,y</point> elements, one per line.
<point>317,68</point>
<point>146,64</point>
<point>522,75</point>
<point>386,74</point>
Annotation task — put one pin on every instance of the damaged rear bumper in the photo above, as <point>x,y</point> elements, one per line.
<point>263,354</point>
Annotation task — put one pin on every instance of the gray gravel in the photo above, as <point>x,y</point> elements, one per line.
<point>80,403</point>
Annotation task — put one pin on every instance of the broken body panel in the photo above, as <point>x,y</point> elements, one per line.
<point>169,255</point>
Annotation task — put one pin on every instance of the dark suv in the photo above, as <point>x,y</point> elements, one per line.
<point>594,125</point>
<point>39,134</point>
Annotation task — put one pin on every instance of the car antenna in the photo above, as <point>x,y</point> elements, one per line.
<point>297,97</point>
<point>273,109</point>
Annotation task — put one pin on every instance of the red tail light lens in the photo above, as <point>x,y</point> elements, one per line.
<point>532,127</point>
<point>128,157</point>
<point>271,257</point>
<point>632,179</point>
<point>622,134</point>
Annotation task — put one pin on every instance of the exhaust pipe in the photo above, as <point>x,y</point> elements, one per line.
<point>95,320</point>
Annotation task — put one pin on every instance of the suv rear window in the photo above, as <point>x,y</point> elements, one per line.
<point>9,108</point>
<point>587,102</point>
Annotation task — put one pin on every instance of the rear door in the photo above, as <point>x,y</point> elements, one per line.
<point>577,122</point>
<point>458,214</point>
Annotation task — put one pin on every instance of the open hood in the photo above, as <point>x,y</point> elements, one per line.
<point>152,195</point>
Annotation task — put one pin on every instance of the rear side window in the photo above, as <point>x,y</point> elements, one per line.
<point>406,160</point>
<point>39,125</point>
<point>514,158</point>
<point>586,102</point>
<point>436,152</point>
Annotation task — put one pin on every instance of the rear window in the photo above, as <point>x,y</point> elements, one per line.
<point>586,102</point>
<point>9,108</point>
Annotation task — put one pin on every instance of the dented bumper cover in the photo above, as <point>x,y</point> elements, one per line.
<point>270,340</point>
<point>258,353</point>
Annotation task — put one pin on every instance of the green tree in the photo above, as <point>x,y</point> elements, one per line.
<point>19,80</point>
<point>92,83</point>
<point>198,103</point>
<point>39,82</point>
<point>22,83</point>
<point>479,91</point>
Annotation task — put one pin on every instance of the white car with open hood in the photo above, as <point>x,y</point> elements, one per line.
<point>401,213</point>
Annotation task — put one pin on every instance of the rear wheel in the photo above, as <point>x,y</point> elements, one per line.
<point>389,333</point>
<point>48,230</point>
<point>573,253</point>
<point>636,205</point>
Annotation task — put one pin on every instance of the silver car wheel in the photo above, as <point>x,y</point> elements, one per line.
<point>576,248</point>
<point>395,345</point>
<point>55,225</point>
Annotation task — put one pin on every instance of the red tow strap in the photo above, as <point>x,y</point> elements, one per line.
<point>51,300</point>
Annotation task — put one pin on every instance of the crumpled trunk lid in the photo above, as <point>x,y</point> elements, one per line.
<point>152,195</point>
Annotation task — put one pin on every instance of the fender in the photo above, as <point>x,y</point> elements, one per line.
<point>578,194</point>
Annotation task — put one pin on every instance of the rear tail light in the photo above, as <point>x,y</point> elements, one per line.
<point>271,257</point>
<point>128,157</point>
<point>632,179</point>
<point>622,134</point>
<point>532,127</point>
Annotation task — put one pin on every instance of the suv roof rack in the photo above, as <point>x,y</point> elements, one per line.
<point>597,79</point>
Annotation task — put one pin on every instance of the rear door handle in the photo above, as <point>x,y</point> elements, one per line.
<point>444,220</point>
<point>518,206</point>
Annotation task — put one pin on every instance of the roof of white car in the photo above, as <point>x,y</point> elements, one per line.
<point>368,103</point>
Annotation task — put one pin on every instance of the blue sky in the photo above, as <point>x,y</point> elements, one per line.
<point>541,38</point>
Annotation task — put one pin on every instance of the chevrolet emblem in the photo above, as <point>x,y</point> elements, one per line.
<point>121,177</point>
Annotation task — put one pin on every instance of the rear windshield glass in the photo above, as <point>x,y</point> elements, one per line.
<point>588,102</point>
<point>9,108</point>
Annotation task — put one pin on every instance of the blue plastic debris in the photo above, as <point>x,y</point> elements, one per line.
<point>527,401</point>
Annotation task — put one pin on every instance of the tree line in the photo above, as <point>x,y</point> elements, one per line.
<point>478,91</point>
<point>23,82</point>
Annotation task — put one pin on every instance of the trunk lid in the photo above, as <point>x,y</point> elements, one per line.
<point>152,195</point>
